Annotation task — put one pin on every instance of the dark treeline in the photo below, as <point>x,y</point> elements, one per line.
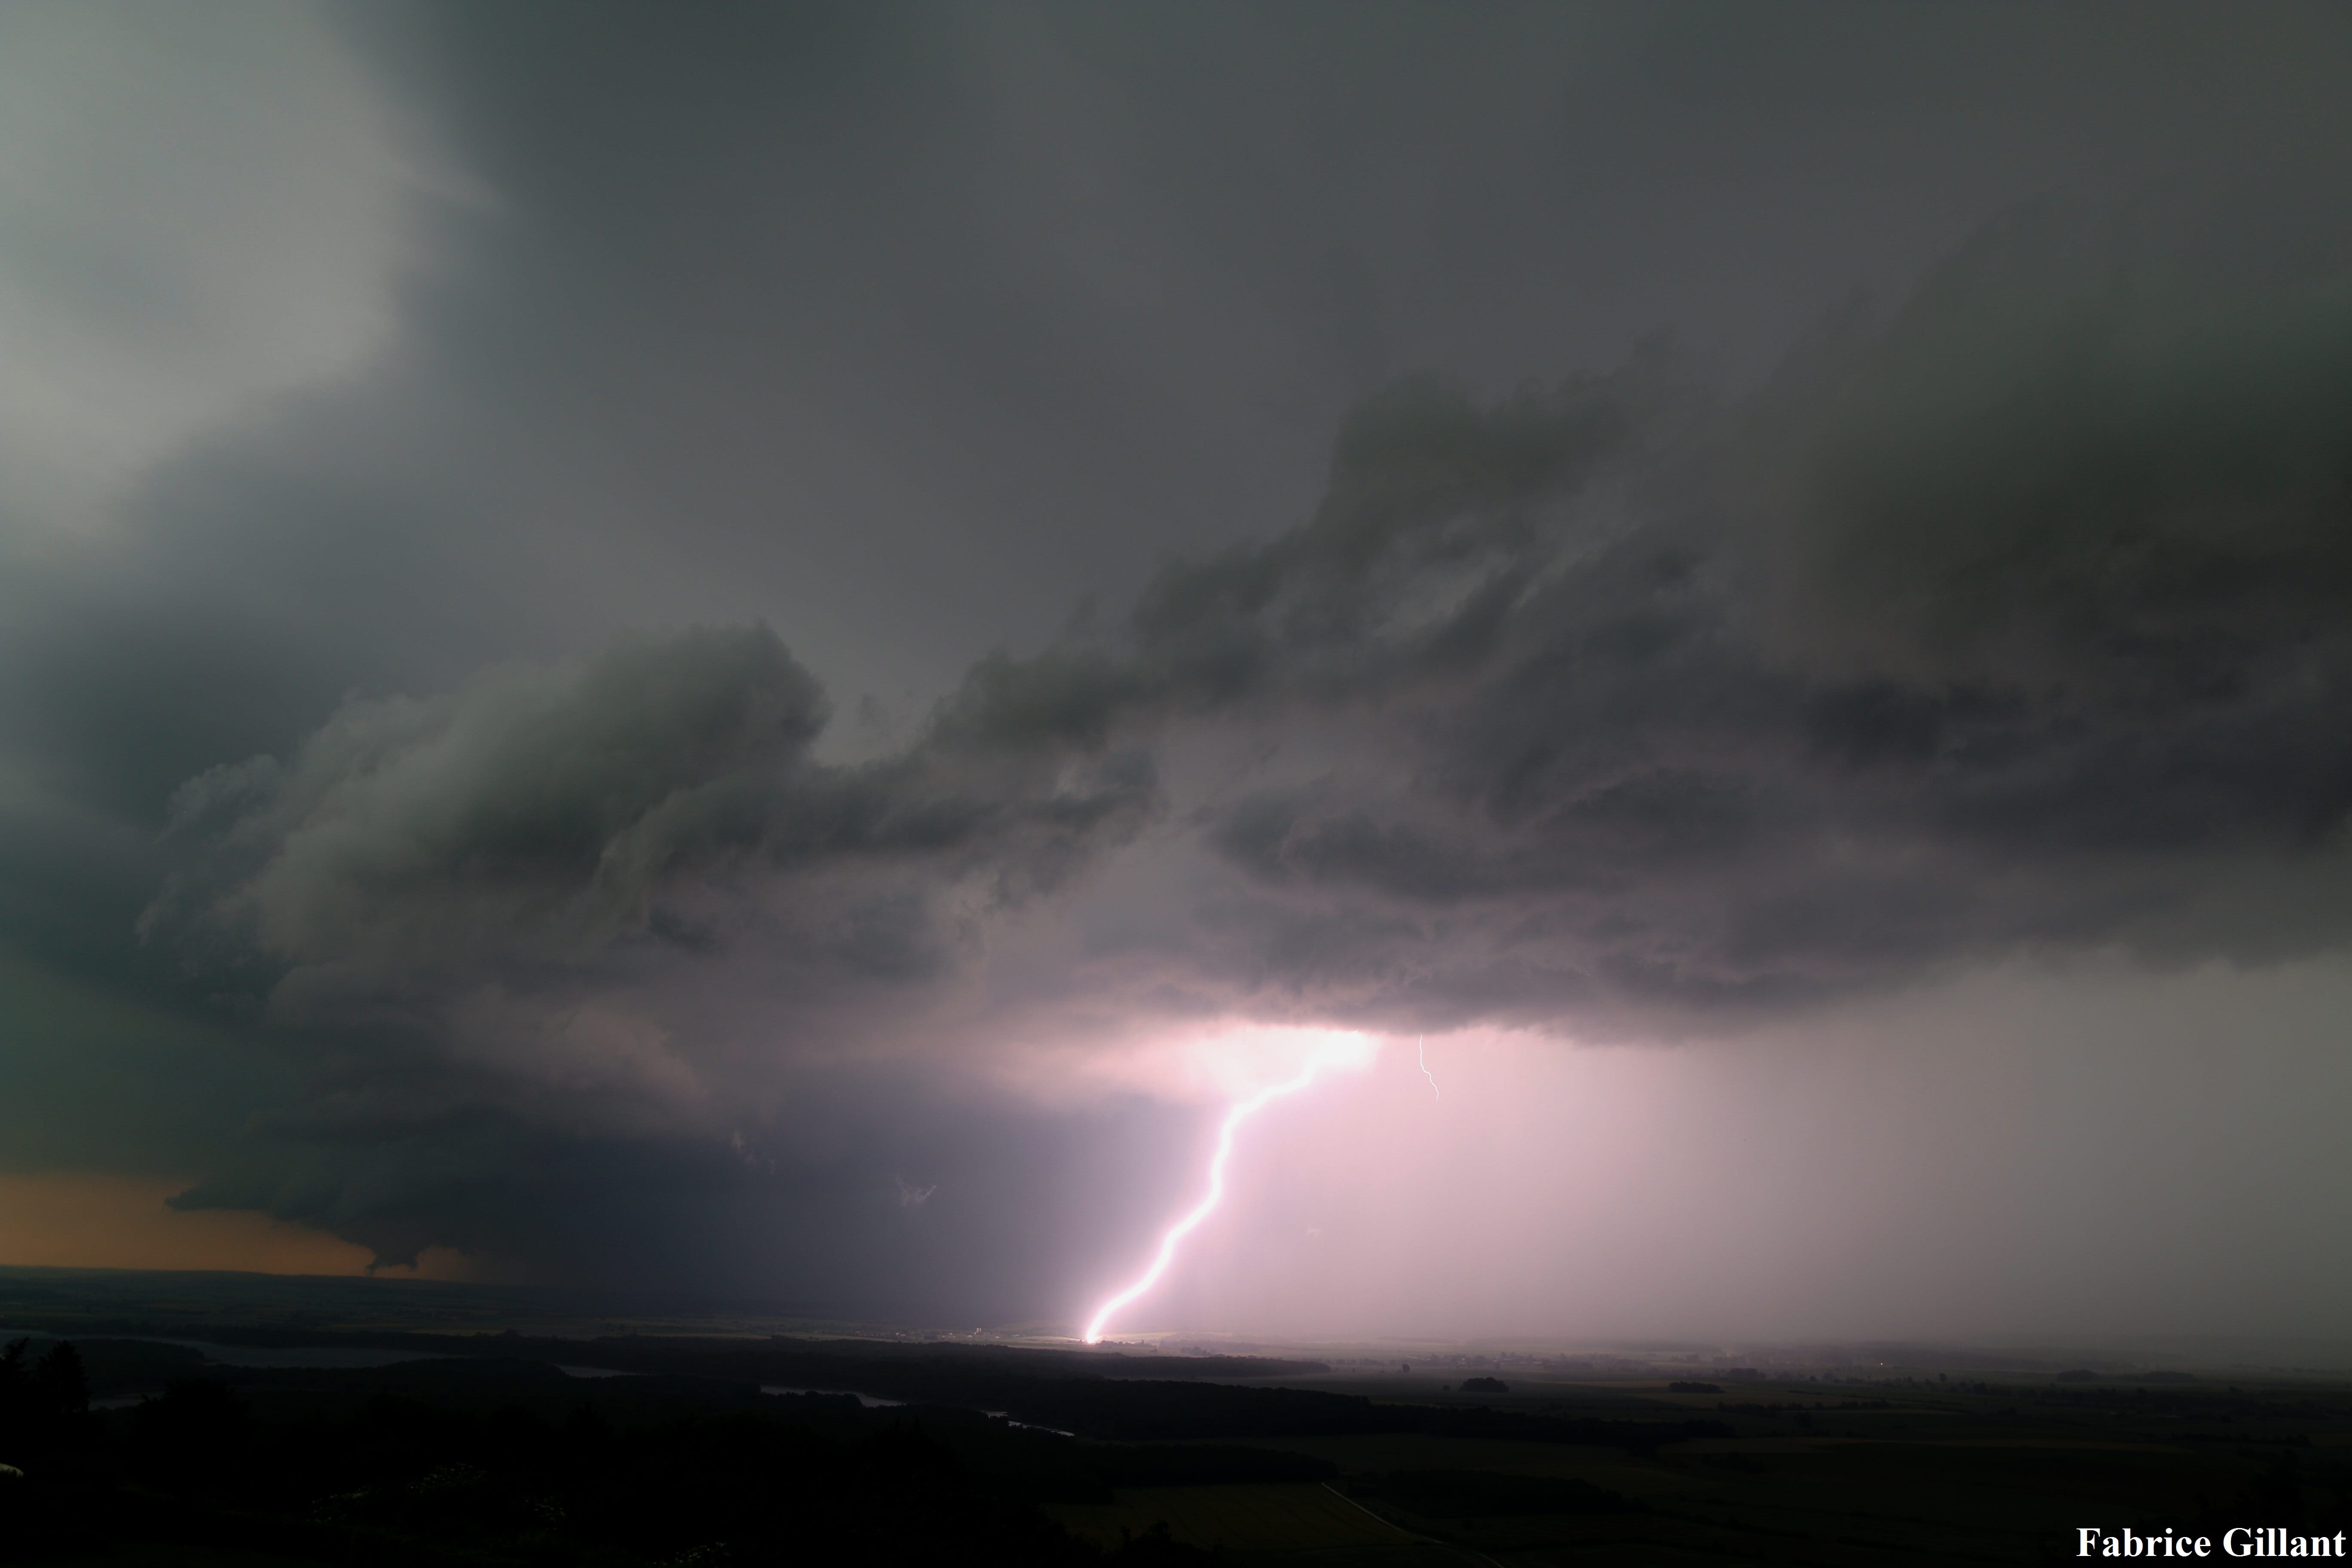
<point>43,1399</point>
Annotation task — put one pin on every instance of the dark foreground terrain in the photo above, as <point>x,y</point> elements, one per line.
<point>486,1450</point>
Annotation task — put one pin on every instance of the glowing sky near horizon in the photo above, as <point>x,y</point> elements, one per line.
<point>1887,1171</point>
<point>1342,1051</point>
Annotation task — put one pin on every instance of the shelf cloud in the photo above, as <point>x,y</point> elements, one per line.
<point>832,582</point>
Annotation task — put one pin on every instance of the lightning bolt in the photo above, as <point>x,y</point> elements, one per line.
<point>1421,1053</point>
<point>1242,1112</point>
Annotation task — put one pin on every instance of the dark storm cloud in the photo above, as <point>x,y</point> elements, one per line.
<point>1657,700</point>
<point>2016,625</point>
<point>538,813</point>
<point>483,908</point>
<point>2007,628</point>
<point>2028,631</point>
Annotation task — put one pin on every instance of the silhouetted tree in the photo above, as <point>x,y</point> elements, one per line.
<point>15,1403</point>
<point>193,1435</point>
<point>60,1387</point>
<point>44,1403</point>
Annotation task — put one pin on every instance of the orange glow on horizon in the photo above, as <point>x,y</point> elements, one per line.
<point>66,1220</point>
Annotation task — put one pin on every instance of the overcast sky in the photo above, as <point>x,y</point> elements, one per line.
<point>764,650</point>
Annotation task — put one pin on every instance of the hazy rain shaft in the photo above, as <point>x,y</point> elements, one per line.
<point>633,634</point>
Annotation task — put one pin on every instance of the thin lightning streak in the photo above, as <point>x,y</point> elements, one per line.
<point>1183,1227</point>
<point>1421,1051</point>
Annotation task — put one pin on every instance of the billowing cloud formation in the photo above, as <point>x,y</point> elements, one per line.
<point>491,900</point>
<point>543,813</point>
<point>2013,627</point>
<point>2016,625</point>
<point>410,824</point>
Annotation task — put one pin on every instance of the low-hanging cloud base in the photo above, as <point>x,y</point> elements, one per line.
<point>2007,629</point>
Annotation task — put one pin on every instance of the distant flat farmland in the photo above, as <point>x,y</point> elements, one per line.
<point>1259,1518</point>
